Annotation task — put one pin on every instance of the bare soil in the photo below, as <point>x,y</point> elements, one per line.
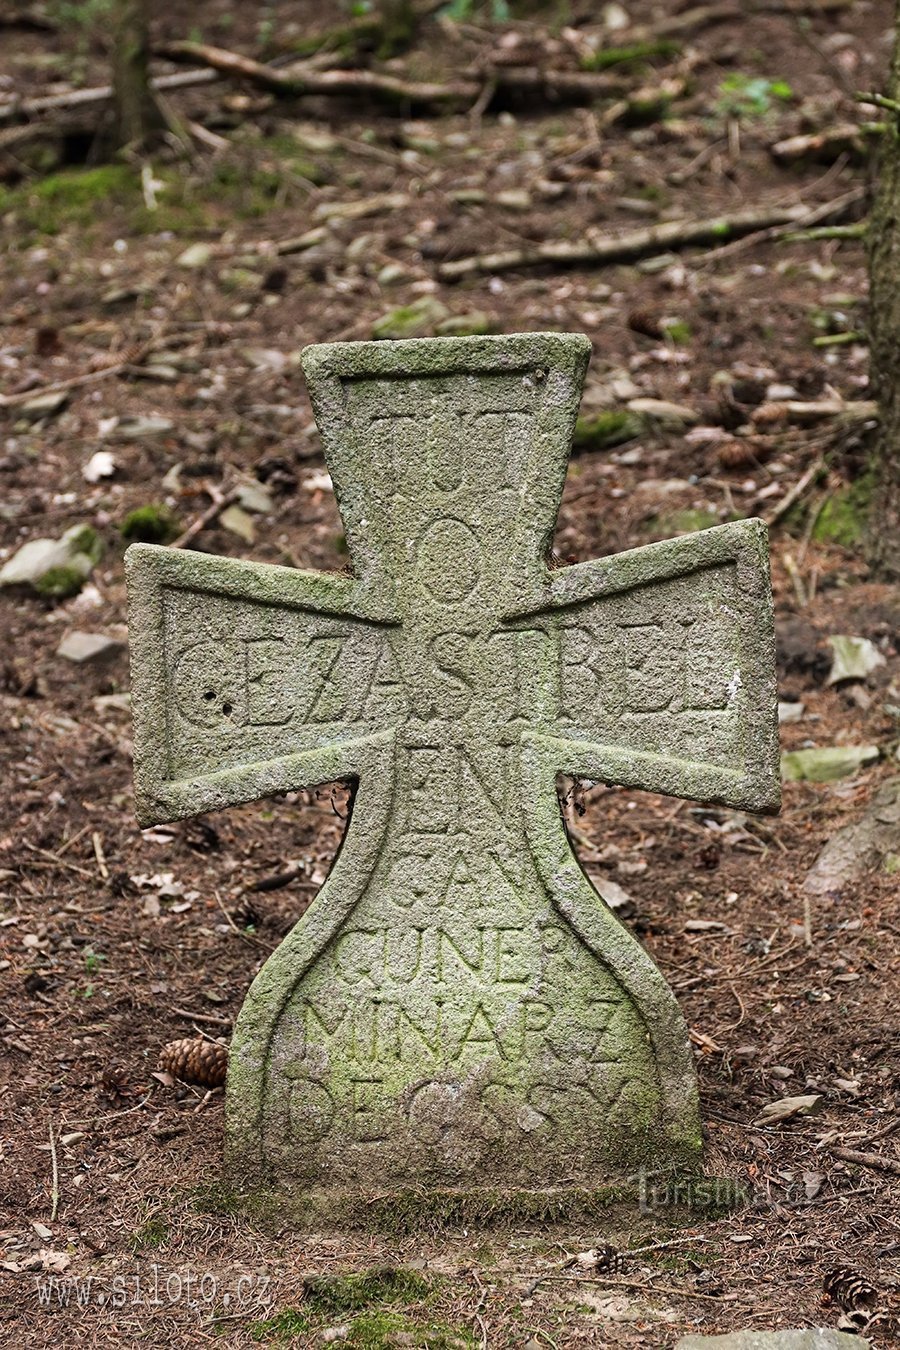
<point>114,941</point>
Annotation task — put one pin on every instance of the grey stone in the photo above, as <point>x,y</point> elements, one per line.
<point>860,847</point>
<point>84,648</point>
<point>42,562</point>
<point>458,1004</point>
<point>812,1338</point>
<point>44,405</point>
<point>825,764</point>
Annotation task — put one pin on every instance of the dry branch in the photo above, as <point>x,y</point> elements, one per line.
<point>868,1159</point>
<point>23,109</point>
<point>132,356</point>
<point>600,249</point>
<point>302,80</point>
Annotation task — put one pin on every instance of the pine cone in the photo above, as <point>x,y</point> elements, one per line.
<point>858,1298</point>
<point>193,1060</point>
<point>850,1289</point>
<point>737,454</point>
<point>602,1260</point>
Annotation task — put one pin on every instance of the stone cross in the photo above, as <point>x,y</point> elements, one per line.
<point>457,1006</point>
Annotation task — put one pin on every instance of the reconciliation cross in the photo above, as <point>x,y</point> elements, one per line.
<point>458,1005</point>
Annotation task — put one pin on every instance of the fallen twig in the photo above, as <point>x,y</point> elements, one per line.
<point>23,109</point>
<point>600,249</point>
<point>836,207</point>
<point>790,498</point>
<point>848,137</point>
<point>131,356</point>
<point>818,410</point>
<point>54,1190</point>
<point>220,500</point>
<point>203,1017</point>
<point>303,79</point>
<point>867,1159</point>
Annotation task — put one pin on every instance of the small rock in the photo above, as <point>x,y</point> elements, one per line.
<point>195,255</point>
<point>790,712</point>
<point>410,320</point>
<point>100,465</point>
<point>252,496</point>
<point>827,764</point>
<point>44,405</point>
<point>514,199</point>
<point>466,325</point>
<point>138,428</point>
<point>87,648</point>
<point>812,1338</point>
<point>859,847</point>
<point>786,1108</point>
<point>660,410</point>
<point>614,895</point>
<point>237,521</point>
<point>56,568</point>
<point>854,658</point>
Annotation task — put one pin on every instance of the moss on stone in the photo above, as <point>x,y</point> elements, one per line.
<point>634,54</point>
<point>684,522</point>
<point>842,518</point>
<point>603,430</point>
<point>151,524</point>
<point>59,583</point>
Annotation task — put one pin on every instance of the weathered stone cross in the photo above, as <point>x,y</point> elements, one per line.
<point>458,1004</point>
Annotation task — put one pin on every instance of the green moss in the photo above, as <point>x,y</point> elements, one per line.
<point>151,1234</point>
<point>374,1330</point>
<point>59,583</point>
<point>70,198</point>
<point>603,430</point>
<point>415,1211</point>
<point>683,522</point>
<point>413,320</point>
<point>86,540</point>
<point>283,1326</point>
<point>637,53</point>
<point>678,331</point>
<point>466,325</point>
<point>214,1197</point>
<point>842,518</point>
<point>152,524</point>
<point>336,1295</point>
<point>365,1298</point>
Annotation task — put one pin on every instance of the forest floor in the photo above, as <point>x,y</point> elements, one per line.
<point>114,941</point>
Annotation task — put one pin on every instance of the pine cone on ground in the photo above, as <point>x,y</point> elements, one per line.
<point>193,1060</point>
<point>852,1292</point>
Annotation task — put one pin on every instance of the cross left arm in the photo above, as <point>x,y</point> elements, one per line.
<point>249,679</point>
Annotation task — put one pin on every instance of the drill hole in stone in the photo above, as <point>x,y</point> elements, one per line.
<point>209,696</point>
<point>227,710</point>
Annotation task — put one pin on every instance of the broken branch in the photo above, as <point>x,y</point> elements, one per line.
<point>302,80</point>
<point>599,249</point>
<point>867,1159</point>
